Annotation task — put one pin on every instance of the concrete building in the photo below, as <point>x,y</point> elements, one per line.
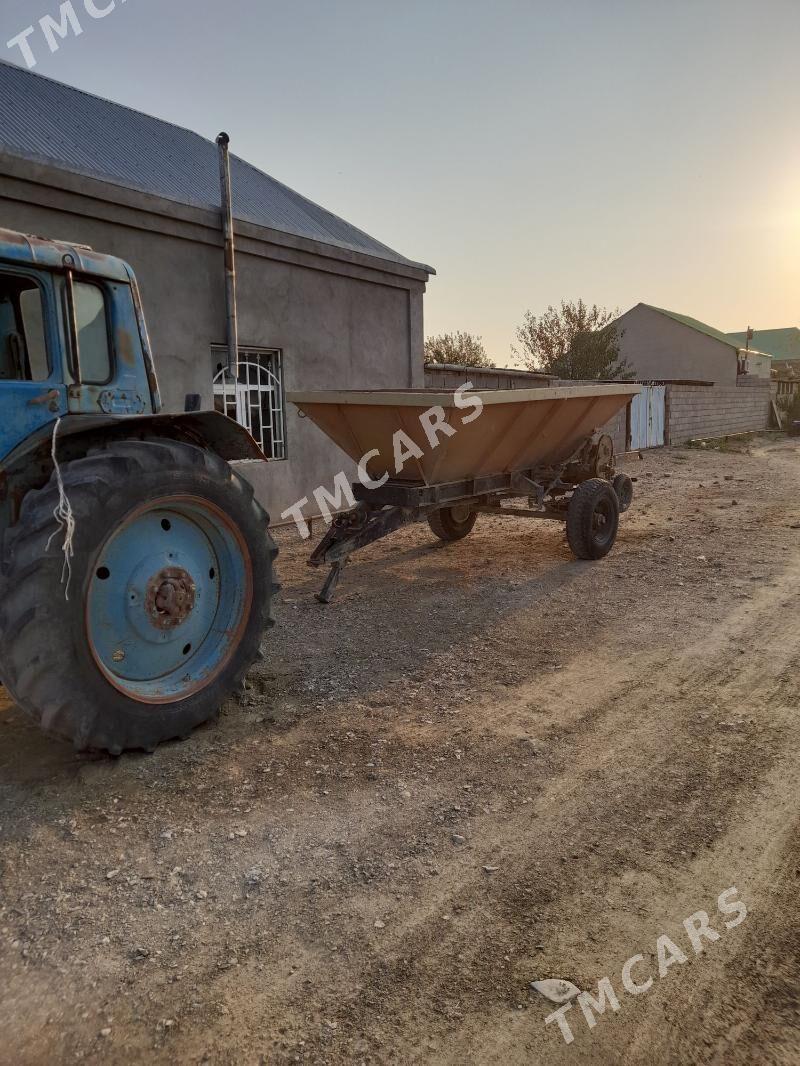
<point>709,385</point>
<point>321,303</point>
<point>662,345</point>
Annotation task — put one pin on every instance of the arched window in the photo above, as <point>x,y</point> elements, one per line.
<point>255,399</point>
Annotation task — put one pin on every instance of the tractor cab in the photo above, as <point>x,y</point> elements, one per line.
<point>72,338</point>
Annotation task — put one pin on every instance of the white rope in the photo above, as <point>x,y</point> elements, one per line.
<point>65,519</point>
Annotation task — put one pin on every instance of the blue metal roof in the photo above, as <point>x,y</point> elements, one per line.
<point>49,122</point>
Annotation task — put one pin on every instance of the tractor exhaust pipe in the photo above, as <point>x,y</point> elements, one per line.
<point>232,333</point>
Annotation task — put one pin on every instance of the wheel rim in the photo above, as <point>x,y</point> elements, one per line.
<point>460,513</point>
<point>168,597</point>
<point>602,523</point>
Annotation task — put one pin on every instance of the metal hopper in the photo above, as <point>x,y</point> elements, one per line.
<point>470,453</point>
<point>517,429</point>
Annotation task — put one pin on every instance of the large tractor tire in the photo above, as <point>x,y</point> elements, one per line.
<point>168,597</point>
<point>592,519</point>
<point>452,523</point>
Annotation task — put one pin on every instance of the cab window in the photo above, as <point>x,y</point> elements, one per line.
<point>92,326</point>
<point>23,350</point>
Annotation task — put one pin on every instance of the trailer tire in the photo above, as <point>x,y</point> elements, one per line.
<point>592,519</point>
<point>452,523</point>
<point>169,595</point>
<point>623,487</point>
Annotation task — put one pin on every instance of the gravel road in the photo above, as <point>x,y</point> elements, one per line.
<point>485,764</point>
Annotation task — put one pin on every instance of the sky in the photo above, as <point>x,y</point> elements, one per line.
<point>611,150</point>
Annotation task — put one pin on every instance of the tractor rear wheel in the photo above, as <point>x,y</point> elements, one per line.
<point>452,523</point>
<point>162,608</point>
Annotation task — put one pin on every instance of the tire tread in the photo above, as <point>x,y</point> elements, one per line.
<point>37,665</point>
<point>579,517</point>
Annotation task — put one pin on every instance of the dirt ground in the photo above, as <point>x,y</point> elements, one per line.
<point>485,764</point>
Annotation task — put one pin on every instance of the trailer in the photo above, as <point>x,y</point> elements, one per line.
<point>447,458</point>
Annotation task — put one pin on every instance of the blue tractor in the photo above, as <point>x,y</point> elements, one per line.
<point>136,567</point>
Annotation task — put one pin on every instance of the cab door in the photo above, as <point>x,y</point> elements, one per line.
<point>32,388</point>
<point>111,367</point>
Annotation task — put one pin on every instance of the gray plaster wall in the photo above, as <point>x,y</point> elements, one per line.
<point>659,348</point>
<point>342,319</point>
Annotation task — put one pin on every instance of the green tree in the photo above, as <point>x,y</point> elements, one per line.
<point>463,349</point>
<point>573,341</point>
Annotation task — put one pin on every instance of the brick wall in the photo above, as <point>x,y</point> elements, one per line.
<point>713,411</point>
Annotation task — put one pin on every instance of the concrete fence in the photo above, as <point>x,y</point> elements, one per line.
<point>714,410</point>
<point>448,376</point>
<point>617,429</point>
<point>692,410</point>
<point>703,411</point>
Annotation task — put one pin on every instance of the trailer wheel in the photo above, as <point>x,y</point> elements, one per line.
<point>165,609</point>
<point>592,519</point>
<point>452,523</point>
<point>623,487</point>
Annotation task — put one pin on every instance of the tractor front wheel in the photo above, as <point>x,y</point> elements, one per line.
<point>150,625</point>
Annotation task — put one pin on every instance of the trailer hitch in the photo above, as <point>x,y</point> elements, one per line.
<point>350,531</point>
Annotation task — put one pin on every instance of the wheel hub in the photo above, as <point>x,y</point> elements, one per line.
<point>603,457</point>
<point>170,597</point>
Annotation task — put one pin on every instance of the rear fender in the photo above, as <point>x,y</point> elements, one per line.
<point>29,465</point>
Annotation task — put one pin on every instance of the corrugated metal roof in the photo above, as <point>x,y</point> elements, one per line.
<point>694,323</point>
<point>782,344</point>
<point>47,121</point>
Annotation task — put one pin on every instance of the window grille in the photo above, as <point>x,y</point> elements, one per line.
<point>256,399</point>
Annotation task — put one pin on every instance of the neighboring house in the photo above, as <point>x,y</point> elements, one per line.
<point>662,345</point>
<point>782,344</point>
<point>757,364</point>
<point>321,303</point>
<point>784,347</point>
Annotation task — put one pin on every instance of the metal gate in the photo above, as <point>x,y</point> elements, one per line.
<point>647,417</point>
